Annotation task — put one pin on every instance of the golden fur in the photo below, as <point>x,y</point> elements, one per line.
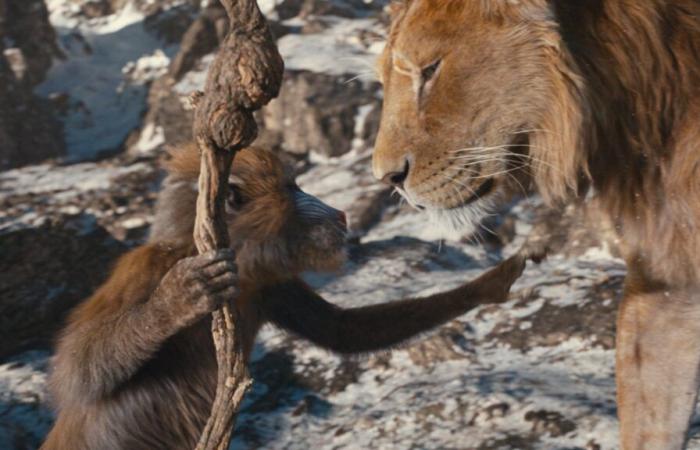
<point>598,96</point>
<point>604,91</point>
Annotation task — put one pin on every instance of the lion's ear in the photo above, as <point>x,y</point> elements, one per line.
<point>558,145</point>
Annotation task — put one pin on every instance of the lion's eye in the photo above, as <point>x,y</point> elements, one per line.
<point>428,72</point>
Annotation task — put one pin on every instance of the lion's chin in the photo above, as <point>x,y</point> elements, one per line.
<point>465,217</point>
<point>461,219</point>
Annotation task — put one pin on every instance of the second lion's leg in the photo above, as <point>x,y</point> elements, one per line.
<point>658,359</point>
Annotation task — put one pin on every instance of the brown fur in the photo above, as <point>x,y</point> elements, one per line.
<point>599,93</point>
<point>135,368</point>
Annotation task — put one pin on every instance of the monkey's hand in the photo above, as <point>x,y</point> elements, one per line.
<point>196,286</point>
<point>494,285</point>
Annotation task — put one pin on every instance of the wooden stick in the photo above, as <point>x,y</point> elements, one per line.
<point>244,76</point>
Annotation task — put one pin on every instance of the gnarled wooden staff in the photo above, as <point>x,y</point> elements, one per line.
<point>245,75</point>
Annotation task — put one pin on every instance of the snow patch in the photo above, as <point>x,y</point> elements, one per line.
<point>336,50</point>
<point>74,179</point>
<point>109,62</point>
<point>151,138</point>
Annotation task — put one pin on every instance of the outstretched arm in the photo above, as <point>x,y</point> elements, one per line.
<point>151,295</point>
<point>297,308</point>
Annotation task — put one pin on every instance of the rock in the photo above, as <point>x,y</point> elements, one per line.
<point>168,118</point>
<point>171,24</point>
<point>550,422</point>
<point>319,113</point>
<point>287,9</point>
<point>44,272</point>
<point>535,372</point>
<point>54,253</point>
<point>326,8</point>
<point>149,7</point>
<point>573,229</point>
<point>96,8</point>
<point>26,27</point>
<point>25,417</point>
<point>328,115</point>
<point>28,132</point>
<point>116,192</point>
<point>201,38</point>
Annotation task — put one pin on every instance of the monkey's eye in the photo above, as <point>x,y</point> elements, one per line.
<point>235,199</point>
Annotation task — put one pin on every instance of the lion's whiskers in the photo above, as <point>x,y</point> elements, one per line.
<point>478,154</point>
<point>367,75</point>
<point>372,70</point>
<point>538,161</point>
<point>522,188</point>
<point>532,130</point>
<point>500,172</point>
<point>405,196</point>
<point>478,148</point>
<point>459,183</point>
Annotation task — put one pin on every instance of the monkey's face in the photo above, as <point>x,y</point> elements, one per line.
<point>277,229</point>
<point>317,234</point>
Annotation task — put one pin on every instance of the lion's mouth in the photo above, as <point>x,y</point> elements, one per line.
<point>484,189</point>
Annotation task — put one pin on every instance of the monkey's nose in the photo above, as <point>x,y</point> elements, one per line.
<point>397,179</point>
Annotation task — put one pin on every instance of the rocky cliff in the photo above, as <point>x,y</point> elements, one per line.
<point>29,132</point>
<point>535,373</point>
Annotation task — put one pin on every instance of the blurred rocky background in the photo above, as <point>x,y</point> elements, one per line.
<point>93,92</point>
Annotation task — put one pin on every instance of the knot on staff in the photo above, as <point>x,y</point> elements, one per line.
<point>245,75</point>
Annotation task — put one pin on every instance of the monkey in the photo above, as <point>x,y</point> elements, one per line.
<point>135,366</point>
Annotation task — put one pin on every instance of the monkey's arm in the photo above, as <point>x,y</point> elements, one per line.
<point>297,308</point>
<point>151,295</point>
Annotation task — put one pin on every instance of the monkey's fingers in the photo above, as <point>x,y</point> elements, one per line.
<point>224,281</point>
<point>512,268</point>
<point>215,256</point>
<point>226,294</point>
<point>535,250</point>
<point>494,285</point>
<point>220,268</point>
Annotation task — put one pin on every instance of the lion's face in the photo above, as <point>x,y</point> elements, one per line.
<point>476,93</point>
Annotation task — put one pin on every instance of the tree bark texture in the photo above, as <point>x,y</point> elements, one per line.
<point>244,76</point>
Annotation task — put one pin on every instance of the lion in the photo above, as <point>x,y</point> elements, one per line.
<point>597,98</point>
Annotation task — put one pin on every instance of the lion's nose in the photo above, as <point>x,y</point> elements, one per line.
<point>398,177</point>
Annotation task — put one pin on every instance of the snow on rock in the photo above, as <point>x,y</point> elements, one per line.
<point>470,384</point>
<point>71,179</point>
<point>329,89</point>
<point>534,373</point>
<point>102,194</point>
<point>24,416</point>
<point>356,45</point>
<point>28,131</point>
<point>109,62</point>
